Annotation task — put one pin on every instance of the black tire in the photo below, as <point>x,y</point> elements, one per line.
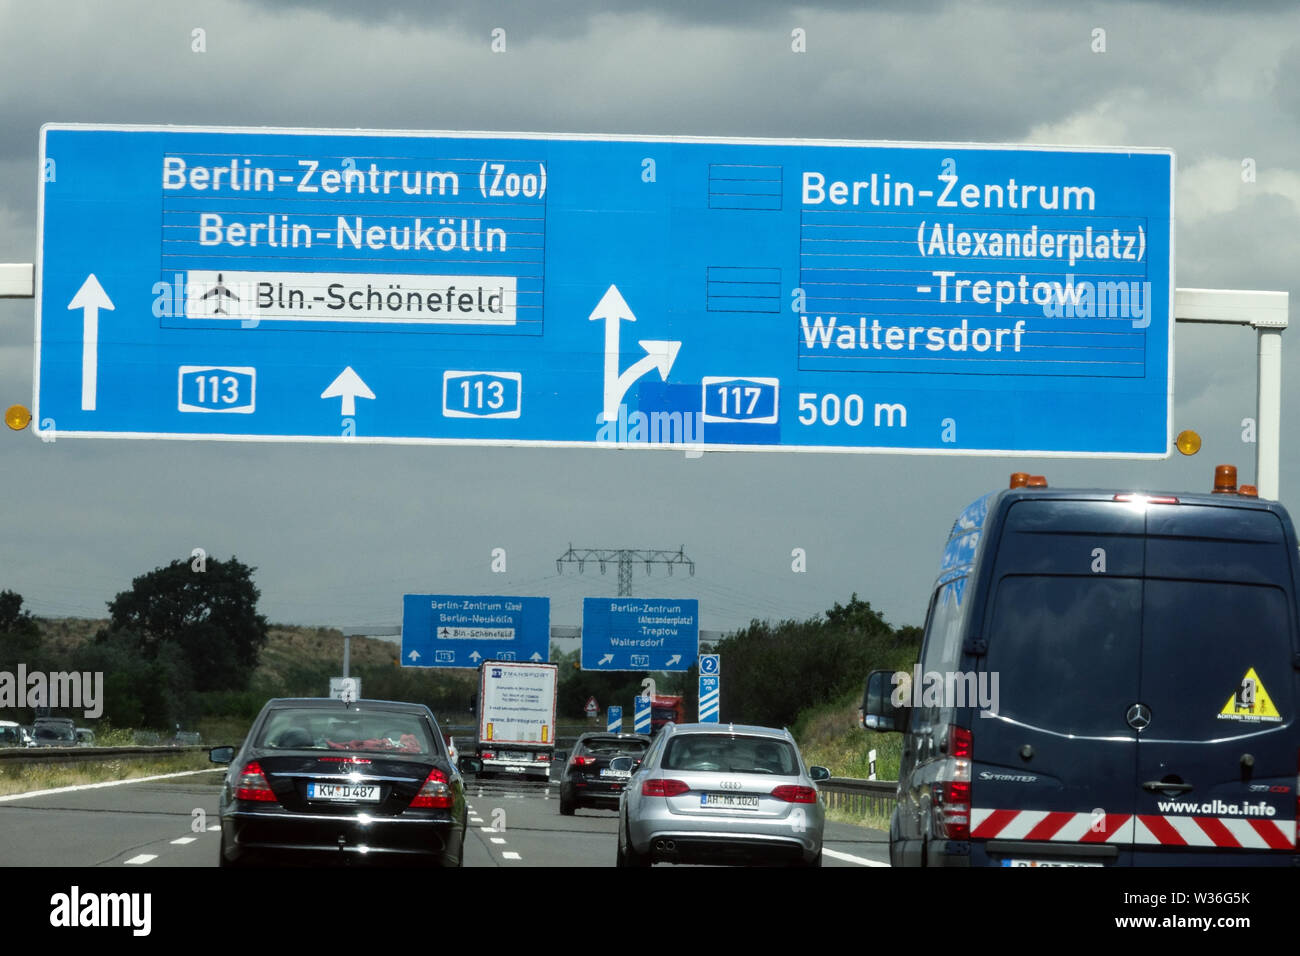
<point>627,855</point>
<point>221,854</point>
<point>566,808</point>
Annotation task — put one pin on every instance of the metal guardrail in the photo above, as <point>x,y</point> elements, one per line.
<point>860,797</point>
<point>17,756</point>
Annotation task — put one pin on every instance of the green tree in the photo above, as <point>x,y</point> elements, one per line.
<point>205,620</point>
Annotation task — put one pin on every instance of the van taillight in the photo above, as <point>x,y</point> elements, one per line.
<point>952,809</point>
<point>252,784</point>
<point>950,795</point>
<point>959,742</point>
<point>435,793</point>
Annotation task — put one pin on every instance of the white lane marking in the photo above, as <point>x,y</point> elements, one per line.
<point>142,858</point>
<point>497,839</point>
<point>489,829</point>
<point>511,855</point>
<point>213,826</point>
<point>107,783</point>
<point>850,858</point>
<point>181,841</point>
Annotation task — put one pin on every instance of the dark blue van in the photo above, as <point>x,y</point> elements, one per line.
<point>1106,678</point>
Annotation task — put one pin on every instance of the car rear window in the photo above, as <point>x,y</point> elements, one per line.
<point>9,736</point>
<point>338,730</point>
<point>612,748</point>
<point>730,754</point>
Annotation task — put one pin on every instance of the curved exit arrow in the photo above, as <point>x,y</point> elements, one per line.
<point>90,298</point>
<point>612,308</point>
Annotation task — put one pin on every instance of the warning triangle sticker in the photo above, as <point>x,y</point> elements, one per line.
<point>1250,702</point>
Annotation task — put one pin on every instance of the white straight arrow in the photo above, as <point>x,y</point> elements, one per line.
<point>90,298</point>
<point>349,387</point>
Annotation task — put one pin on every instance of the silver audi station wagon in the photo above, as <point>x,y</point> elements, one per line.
<point>722,793</point>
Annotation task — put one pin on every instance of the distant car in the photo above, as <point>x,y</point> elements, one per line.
<point>54,732</point>
<point>14,735</point>
<point>598,768</point>
<point>320,780</point>
<point>85,737</point>
<point>721,793</point>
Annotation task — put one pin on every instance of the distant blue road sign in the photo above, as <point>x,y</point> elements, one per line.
<point>639,634</point>
<point>641,715</point>
<point>614,720</point>
<point>710,691</point>
<point>459,630</point>
<point>709,664</point>
<point>472,288</point>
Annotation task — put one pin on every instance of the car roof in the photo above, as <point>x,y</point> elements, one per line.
<point>606,735</point>
<point>330,703</point>
<point>749,730</point>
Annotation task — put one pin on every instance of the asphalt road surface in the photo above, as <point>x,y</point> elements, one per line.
<point>172,822</point>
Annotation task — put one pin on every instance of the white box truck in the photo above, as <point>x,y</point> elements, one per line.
<point>516,717</point>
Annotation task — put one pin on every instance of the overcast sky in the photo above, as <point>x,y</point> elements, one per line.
<point>339,533</point>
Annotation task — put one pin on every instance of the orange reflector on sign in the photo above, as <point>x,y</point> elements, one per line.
<point>17,417</point>
<point>1188,442</point>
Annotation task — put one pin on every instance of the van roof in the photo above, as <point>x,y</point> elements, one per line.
<point>959,553</point>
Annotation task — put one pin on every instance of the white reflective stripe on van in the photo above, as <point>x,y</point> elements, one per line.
<point>1145,829</point>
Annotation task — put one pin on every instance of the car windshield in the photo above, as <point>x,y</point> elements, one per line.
<point>382,731</point>
<point>9,736</point>
<point>612,748</point>
<point>730,754</point>
<point>54,732</point>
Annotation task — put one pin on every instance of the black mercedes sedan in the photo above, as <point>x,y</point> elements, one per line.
<point>320,780</point>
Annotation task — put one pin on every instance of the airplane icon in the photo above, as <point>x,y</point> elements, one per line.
<point>220,291</point>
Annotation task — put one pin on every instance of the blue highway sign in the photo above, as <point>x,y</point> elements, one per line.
<point>639,634</point>
<point>709,663</point>
<point>614,720</point>
<point>460,630</point>
<point>710,695</point>
<point>641,715</point>
<point>532,289</point>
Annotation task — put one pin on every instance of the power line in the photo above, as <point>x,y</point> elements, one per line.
<point>624,558</point>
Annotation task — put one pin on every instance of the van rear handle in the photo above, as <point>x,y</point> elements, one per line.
<point>1157,786</point>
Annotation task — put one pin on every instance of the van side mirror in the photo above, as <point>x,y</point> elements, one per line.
<point>878,710</point>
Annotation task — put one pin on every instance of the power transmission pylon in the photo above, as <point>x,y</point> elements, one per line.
<point>624,558</point>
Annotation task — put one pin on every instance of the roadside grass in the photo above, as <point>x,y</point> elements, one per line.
<point>22,777</point>
<point>830,736</point>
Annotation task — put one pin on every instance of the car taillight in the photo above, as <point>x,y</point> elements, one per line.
<point>488,755</point>
<point>252,784</point>
<point>435,793</point>
<point>663,788</point>
<point>541,757</point>
<point>583,761</point>
<point>793,794</point>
